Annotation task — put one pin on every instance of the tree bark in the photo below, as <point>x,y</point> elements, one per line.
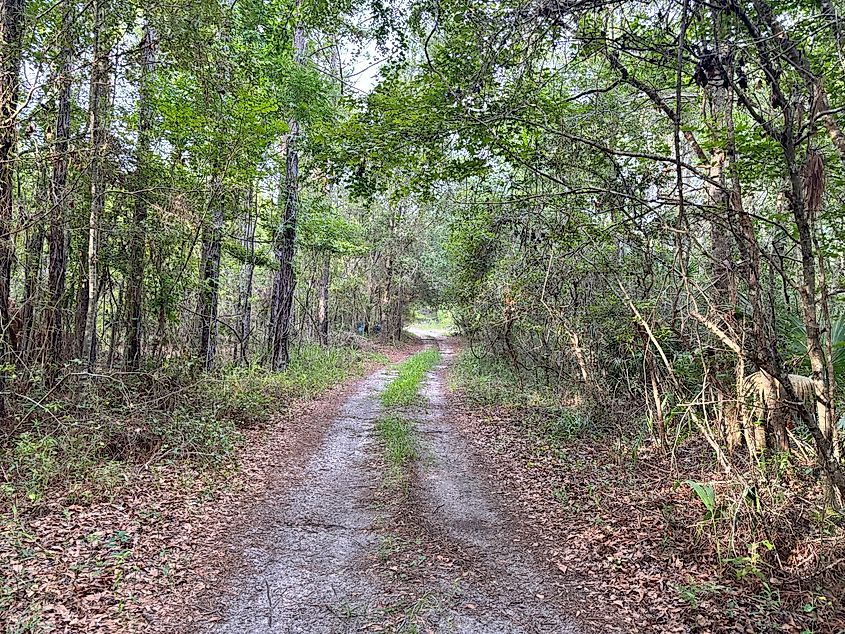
<point>323,299</point>
<point>212,238</point>
<point>137,242</point>
<point>247,273</point>
<point>32,277</point>
<point>58,238</point>
<point>97,113</point>
<point>284,283</point>
<point>11,22</point>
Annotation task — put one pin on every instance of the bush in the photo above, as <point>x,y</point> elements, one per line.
<point>96,428</point>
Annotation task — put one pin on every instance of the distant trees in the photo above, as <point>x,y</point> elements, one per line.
<point>153,164</point>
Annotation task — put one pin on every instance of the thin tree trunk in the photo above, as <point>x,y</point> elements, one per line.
<point>11,18</point>
<point>323,300</point>
<point>210,277</point>
<point>137,243</point>
<point>247,273</point>
<point>32,273</point>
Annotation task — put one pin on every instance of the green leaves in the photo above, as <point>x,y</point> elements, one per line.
<point>707,494</point>
<point>322,227</point>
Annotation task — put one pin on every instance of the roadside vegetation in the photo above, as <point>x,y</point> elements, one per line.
<point>706,549</point>
<point>88,446</point>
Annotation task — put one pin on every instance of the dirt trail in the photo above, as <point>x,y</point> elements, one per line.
<point>305,553</point>
<point>489,583</point>
<point>317,559</point>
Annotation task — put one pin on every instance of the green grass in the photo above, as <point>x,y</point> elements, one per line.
<point>490,381</point>
<point>404,389</point>
<point>487,381</point>
<point>437,322</point>
<point>86,441</point>
<point>396,432</point>
<point>396,435</point>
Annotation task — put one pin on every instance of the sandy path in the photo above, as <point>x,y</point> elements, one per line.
<point>316,559</point>
<point>305,558</point>
<point>492,584</point>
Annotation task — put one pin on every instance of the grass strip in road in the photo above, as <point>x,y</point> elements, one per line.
<point>400,447</point>
<point>404,389</point>
<point>395,430</point>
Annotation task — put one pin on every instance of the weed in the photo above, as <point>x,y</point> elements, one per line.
<point>751,565</point>
<point>388,545</point>
<point>400,447</point>
<point>707,494</point>
<point>105,423</point>
<point>694,593</point>
<point>404,389</point>
<point>36,461</point>
<point>561,495</point>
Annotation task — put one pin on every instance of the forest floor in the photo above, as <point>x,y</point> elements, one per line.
<point>486,530</point>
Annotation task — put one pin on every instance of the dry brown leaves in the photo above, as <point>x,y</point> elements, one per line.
<point>623,537</point>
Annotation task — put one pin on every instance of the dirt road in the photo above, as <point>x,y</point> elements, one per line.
<point>339,554</point>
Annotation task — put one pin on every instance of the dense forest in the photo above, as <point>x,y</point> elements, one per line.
<point>632,213</point>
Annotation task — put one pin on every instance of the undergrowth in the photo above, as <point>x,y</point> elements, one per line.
<point>486,381</point>
<point>403,390</point>
<point>86,437</point>
<point>755,533</point>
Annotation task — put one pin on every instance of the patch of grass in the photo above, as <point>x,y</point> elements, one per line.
<point>490,381</point>
<point>396,435</point>
<point>694,593</point>
<point>404,389</point>
<point>85,440</point>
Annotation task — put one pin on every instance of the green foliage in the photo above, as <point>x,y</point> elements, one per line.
<point>36,459</point>
<point>179,418</point>
<point>404,389</point>
<point>707,494</point>
<point>488,380</point>
<point>435,321</point>
<point>323,228</point>
<point>396,435</point>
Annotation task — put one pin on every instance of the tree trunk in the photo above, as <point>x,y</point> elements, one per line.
<point>11,18</point>
<point>58,236</point>
<point>284,283</point>
<point>323,300</point>
<point>137,243</point>
<point>247,273</point>
<point>97,112</point>
<point>33,264</point>
<point>212,238</point>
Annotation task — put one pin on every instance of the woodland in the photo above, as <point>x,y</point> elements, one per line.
<point>631,214</point>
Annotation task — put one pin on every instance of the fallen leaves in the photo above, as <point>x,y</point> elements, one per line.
<point>622,539</point>
<point>150,558</point>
